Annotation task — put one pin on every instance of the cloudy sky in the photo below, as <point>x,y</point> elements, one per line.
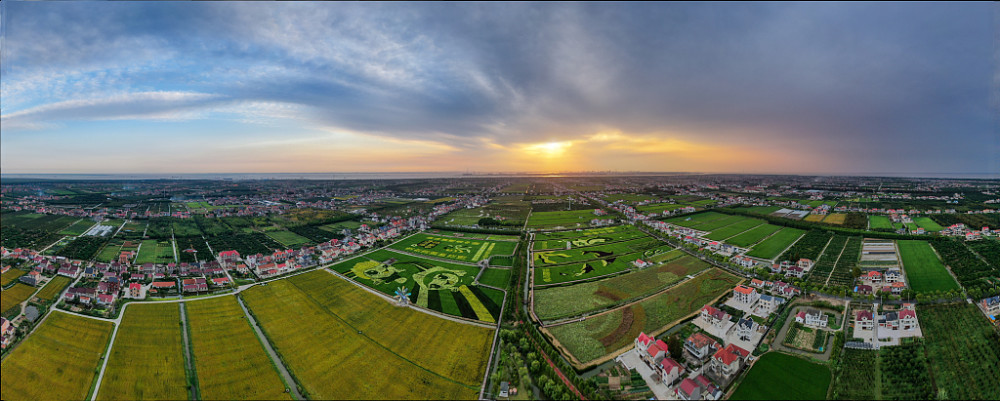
<point>184,87</point>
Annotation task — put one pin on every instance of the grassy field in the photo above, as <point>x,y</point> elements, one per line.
<point>53,288</point>
<point>774,245</point>
<point>59,361</point>
<point>451,248</point>
<point>147,358</point>
<point>778,376</point>
<point>288,238</point>
<point>78,228</point>
<point>230,360</point>
<point>733,229</point>
<point>344,343</point>
<point>927,223</point>
<point>693,220</point>
<point>153,251</point>
<point>10,275</point>
<point>555,302</point>
<point>879,222</point>
<point>10,298</point>
<point>567,219</point>
<point>603,334</point>
<point>815,217</point>
<point>659,207</point>
<point>924,270</point>
<point>439,286</point>
<point>753,236</point>
<point>962,351</point>
<point>498,278</point>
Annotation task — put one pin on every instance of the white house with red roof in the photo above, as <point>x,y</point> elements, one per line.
<point>746,295</point>
<point>864,320</point>
<point>727,361</point>
<point>670,370</point>
<point>688,390</point>
<point>714,316</point>
<point>701,346</point>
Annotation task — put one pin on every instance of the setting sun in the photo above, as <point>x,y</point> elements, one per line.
<point>548,149</point>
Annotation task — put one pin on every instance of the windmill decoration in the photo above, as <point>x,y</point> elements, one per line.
<point>403,296</point>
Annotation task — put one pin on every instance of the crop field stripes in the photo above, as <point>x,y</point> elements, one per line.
<point>839,255</point>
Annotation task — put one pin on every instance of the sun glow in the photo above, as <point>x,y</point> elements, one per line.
<point>548,149</point>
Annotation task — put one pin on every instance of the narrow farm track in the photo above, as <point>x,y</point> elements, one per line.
<point>289,381</point>
<point>555,368</point>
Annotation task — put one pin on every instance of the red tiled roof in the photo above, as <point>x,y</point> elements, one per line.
<point>742,289</point>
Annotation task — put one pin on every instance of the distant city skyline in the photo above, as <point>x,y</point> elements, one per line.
<point>258,88</point>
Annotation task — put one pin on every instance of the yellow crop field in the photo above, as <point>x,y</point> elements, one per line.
<point>20,292</point>
<point>815,217</point>
<point>58,361</point>
<point>147,358</point>
<point>342,342</point>
<point>230,361</point>
<point>10,275</point>
<point>54,287</point>
<point>835,218</point>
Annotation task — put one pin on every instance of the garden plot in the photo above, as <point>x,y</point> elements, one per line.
<point>456,249</point>
<point>440,286</point>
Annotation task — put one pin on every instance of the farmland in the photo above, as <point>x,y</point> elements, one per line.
<point>599,251</point>
<point>904,373</point>
<point>573,300</point>
<point>153,251</point>
<point>771,247</point>
<point>971,271</point>
<point>288,239</point>
<point>439,286</point>
<point>11,275</point>
<point>733,229</point>
<point>10,298</point>
<point>593,236</point>
<point>610,264</point>
<point>498,278</point>
<point>924,270</point>
<point>147,358</point>
<point>451,248</point>
<point>77,228</point>
<point>53,288</point>
<point>33,221</point>
<point>65,344</point>
<point>603,334</point>
<point>856,378</point>
<point>340,335</point>
<point>927,224</point>
<point>753,235</point>
<point>245,244</point>
<point>784,377</point>
<point>566,219</point>
<point>962,351</point>
<point>835,218</point>
<point>230,360</point>
<point>809,247</point>
<point>880,222</point>
<point>82,248</point>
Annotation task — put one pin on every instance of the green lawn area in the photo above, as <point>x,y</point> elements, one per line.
<point>733,229</point>
<point>778,376</point>
<point>288,238</point>
<point>924,270</point>
<point>495,277</point>
<point>927,224</point>
<point>774,245</point>
<point>753,235</point>
<point>153,251</point>
<point>879,222</point>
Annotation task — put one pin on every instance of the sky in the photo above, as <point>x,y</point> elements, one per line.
<point>267,87</point>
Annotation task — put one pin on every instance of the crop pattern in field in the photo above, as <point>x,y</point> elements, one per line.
<point>452,248</point>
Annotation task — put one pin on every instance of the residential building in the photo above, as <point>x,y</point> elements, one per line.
<point>746,295</point>
<point>864,320</point>
<point>812,317</point>
<point>701,346</point>
<point>714,316</point>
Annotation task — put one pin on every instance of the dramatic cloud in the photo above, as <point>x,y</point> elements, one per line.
<point>826,88</point>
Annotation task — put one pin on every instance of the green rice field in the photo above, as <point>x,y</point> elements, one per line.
<point>924,270</point>
<point>778,376</point>
<point>457,249</point>
<point>774,245</point>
